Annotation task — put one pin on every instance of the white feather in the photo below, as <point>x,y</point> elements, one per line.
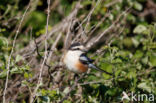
<point>71,58</point>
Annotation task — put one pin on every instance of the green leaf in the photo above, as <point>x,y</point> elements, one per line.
<point>145,60</point>
<point>137,6</point>
<point>18,58</point>
<point>138,54</point>
<point>127,42</point>
<point>153,60</point>
<point>131,74</point>
<point>135,42</point>
<point>112,91</point>
<point>139,29</point>
<point>144,86</point>
<point>66,90</point>
<point>3,73</point>
<point>26,75</point>
<point>67,101</point>
<point>3,42</point>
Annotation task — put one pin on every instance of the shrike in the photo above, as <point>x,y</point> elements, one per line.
<point>76,60</point>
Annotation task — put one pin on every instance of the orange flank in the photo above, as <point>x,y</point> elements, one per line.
<point>81,67</point>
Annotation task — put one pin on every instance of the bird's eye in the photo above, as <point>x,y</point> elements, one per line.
<point>76,48</point>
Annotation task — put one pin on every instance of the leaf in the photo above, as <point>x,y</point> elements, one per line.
<point>138,54</point>
<point>3,73</point>
<point>131,74</point>
<point>137,6</point>
<point>112,91</point>
<point>145,60</point>
<point>153,60</point>
<point>135,42</point>
<point>127,42</point>
<point>18,58</point>
<point>44,98</point>
<point>3,42</point>
<point>26,75</point>
<point>144,86</point>
<point>66,90</point>
<point>139,29</point>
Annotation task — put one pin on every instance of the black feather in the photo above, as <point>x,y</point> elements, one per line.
<point>96,68</point>
<point>84,59</point>
<point>75,44</point>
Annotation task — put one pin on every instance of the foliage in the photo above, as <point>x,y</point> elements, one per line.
<point>131,55</point>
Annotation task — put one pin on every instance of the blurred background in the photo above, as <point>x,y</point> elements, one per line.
<point>127,48</point>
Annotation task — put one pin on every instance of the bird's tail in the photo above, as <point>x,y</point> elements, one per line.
<point>94,67</point>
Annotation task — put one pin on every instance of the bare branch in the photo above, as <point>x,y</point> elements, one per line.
<point>86,19</point>
<point>45,55</point>
<point>53,48</point>
<point>58,27</point>
<point>112,3</point>
<point>98,37</point>
<point>12,50</point>
<point>72,87</point>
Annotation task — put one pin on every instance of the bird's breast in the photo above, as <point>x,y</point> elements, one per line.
<point>71,60</point>
<point>81,67</point>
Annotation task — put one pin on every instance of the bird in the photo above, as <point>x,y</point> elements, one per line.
<point>76,59</point>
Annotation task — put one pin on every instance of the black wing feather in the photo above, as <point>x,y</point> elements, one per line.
<point>85,60</point>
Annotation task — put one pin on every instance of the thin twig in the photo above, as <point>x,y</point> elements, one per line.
<point>53,47</point>
<point>68,36</point>
<point>72,88</point>
<point>96,82</point>
<point>93,28</point>
<point>38,53</point>
<point>91,12</point>
<point>12,50</point>
<point>96,40</point>
<point>45,55</point>
<point>86,19</point>
<point>112,3</point>
<point>88,16</point>
<point>58,27</point>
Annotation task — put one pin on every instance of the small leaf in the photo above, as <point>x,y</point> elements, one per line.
<point>3,73</point>
<point>18,58</point>
<point>144,86</point>
<point>139,29</point>
<point>137,6</point>
<point>145,60</point>
<point>66,90</point>
<point>153,60</point>
<point>135,42</point>
<point>26,75</point>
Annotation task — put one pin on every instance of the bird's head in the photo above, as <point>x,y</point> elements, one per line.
<point>77,47</point>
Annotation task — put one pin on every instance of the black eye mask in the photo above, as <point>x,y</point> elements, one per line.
<point>76,49</point>
<point>74,44</point>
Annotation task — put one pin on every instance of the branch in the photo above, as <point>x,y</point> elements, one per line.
<point>86,19</point>
<point>45,56</point>
<point>12,50</point>
<point>96,39</point>
<point>58,27</point>
<point>72,88</point>
<point>53,48</point>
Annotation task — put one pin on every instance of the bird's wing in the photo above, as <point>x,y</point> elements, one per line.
<point>90,65</point>
<point>85,60</point>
